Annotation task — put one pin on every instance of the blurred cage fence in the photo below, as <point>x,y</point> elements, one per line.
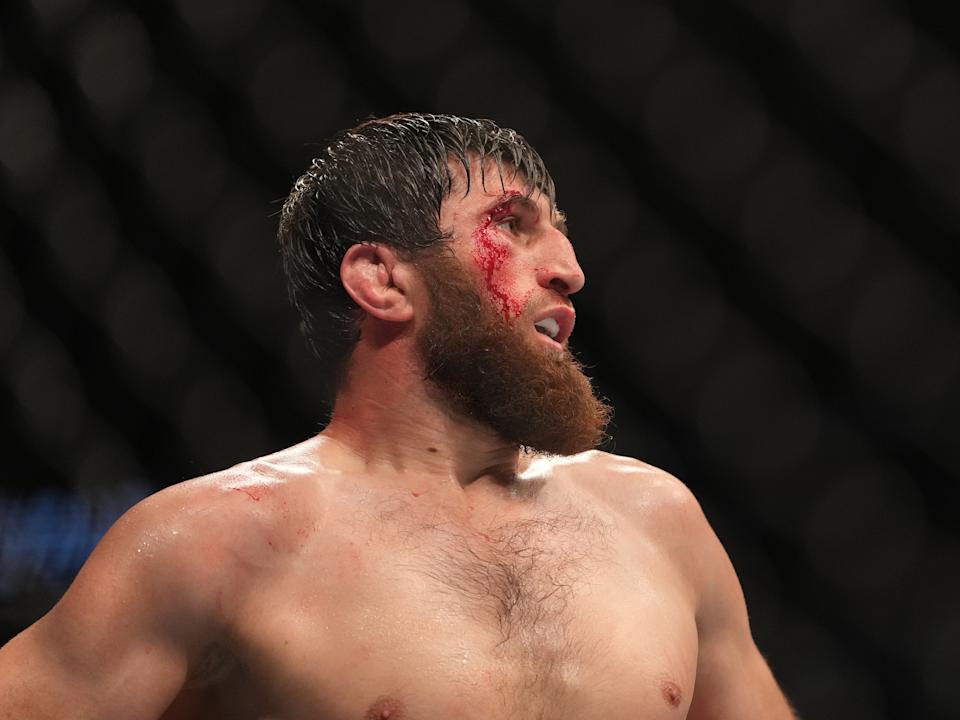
<point>765,196</point>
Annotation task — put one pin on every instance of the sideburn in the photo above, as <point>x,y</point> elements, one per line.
<point>491,372</point>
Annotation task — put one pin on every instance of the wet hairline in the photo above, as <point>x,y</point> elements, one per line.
<point>461,179</point>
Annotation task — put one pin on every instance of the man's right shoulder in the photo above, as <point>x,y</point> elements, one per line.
<point>228,520</point>
<point>180,535</point>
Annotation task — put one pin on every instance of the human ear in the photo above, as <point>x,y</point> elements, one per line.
<point>376,279</point>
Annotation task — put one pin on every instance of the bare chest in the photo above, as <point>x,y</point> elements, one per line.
<point>560,614</point>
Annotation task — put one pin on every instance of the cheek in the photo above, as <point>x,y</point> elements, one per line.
<point>498,268</point>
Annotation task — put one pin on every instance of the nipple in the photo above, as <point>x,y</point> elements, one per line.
<point>385,708</point>
<point>671,693</point>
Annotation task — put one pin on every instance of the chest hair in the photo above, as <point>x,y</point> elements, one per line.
<point>519,576</point>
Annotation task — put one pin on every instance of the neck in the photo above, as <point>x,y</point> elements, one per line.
<point>392,421</point>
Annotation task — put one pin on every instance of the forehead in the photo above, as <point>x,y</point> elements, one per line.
<point>487,185</point>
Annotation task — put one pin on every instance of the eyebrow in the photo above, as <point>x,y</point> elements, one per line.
<point>559,219</point>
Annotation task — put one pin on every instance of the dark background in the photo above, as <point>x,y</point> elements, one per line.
<point>764,194</point>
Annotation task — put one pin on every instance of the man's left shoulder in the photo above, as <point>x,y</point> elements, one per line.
<point>633,486</point>
<point>660,507</point>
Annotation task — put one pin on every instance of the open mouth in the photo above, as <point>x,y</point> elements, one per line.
<point>548,327</point>
<point>556,324</point>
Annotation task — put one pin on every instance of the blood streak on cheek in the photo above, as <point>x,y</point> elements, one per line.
<point>490,255</point>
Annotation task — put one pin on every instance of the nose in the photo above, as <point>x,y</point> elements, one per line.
<point>560,271</point>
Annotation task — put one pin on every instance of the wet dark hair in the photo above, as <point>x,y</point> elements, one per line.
<point>382,181</point>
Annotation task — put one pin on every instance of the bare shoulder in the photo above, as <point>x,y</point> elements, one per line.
<point>652,503</point>
<point>634,488</point>
<point>201,539</point>
<point>264,505</point>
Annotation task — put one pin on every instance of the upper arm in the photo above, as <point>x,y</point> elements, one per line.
<point>120,642</point>
<point>733,679</point>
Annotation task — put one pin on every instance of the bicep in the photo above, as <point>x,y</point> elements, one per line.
<point>733,679</point>
<point>49,671</point>
<point>734,682</point>
<point>117,645</point>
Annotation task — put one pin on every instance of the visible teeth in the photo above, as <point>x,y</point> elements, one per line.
<point>548,326</point>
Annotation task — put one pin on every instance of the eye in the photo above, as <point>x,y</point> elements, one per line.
<point>511,223</point>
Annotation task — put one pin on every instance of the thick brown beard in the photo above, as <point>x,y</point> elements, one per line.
<point>488,370</point>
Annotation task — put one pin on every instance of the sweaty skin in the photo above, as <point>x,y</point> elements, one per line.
<point>408,623</point>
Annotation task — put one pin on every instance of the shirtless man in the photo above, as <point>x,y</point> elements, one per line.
<point>451,545</point>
